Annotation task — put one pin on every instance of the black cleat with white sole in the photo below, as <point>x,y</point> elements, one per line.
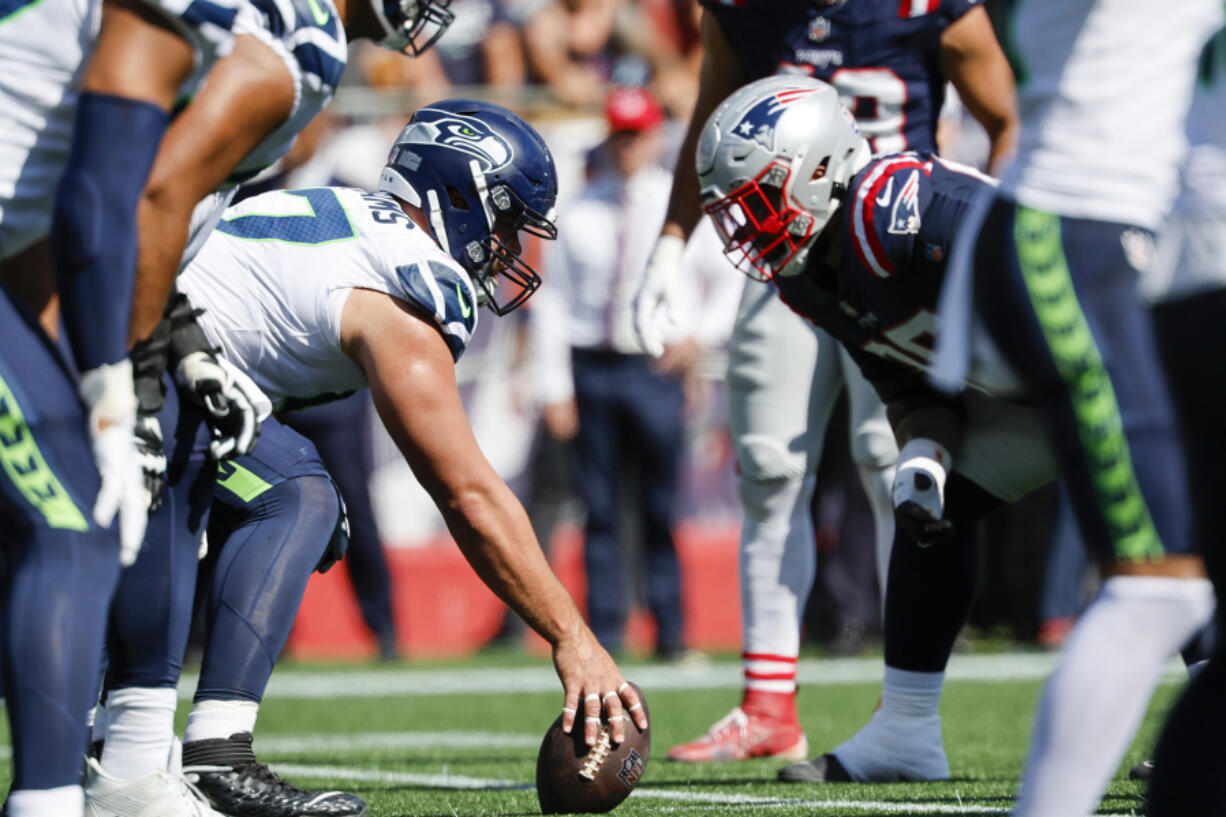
<point>236,784</point>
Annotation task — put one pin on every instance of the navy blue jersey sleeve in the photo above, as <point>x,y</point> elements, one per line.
<point>446,294</point>
<point>950,11</point>
<point>886,201</point>
<point>756,30</point>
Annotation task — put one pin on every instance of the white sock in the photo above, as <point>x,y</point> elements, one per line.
<point>64,801</point>
<point>140,730</point>
<point>902,741</point>
<point>878,483</point>
<point>778,565</point>
<point>1097,695</point>
<point>220,719</point>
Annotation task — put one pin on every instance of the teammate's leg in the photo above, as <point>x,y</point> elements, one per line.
<point>341,433</point>
<point>1084,344</point>
<point>149,623</point>
<point>783,381</point>
<point>59,571</point>
<point>874,452</point>
<point>276,513</point>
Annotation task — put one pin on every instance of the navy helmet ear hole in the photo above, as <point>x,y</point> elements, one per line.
<point>456,198</point>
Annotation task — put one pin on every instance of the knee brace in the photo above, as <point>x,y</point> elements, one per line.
<point>93,229</point>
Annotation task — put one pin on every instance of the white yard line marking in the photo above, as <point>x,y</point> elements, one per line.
<point>811,672</point>
<point>463,782</point>
<point>351,741</point>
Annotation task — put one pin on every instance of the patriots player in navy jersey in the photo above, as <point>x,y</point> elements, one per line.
<point>858,246</point>
<point>889,60</point>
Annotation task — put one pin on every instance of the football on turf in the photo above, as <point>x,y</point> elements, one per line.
<point>572,777</point>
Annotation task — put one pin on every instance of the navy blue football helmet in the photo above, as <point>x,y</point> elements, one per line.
<point>412,26</point>
<point>482,175</point>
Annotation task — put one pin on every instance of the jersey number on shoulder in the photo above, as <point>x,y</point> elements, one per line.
<point>910,342</point>
<point>324,222</point>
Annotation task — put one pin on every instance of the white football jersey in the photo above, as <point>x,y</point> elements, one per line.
<point>42,47</point>
<point>1103,91</point>
<point>274,276</point>
<point>1191,250</point>
<point>309,38</point>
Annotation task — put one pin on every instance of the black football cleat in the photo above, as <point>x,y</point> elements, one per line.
<point>821,769</point>
<point>226,771</point>
<point>1143,771</point>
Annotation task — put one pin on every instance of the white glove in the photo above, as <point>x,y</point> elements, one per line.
<point>919,490</point>
<point>659,297</point>
<point>110,397</point>
<point>234,404</point>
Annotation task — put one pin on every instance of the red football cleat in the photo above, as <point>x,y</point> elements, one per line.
<point>740,735</point>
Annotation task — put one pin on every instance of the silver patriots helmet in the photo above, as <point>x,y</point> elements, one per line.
<point>773,162</point>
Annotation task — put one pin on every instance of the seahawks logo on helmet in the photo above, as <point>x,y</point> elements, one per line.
<point>472,136</point>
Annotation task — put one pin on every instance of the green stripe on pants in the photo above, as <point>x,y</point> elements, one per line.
<point>240,482</point>
<point>25,466</point>
<point>1046,275</point>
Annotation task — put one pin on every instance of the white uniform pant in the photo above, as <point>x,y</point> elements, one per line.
<point>784,376</point>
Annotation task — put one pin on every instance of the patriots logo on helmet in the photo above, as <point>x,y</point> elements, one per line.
<point>462,133</point>
<point>905,217</point>
<point>758,123</point>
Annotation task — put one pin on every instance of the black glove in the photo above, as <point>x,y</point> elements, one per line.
<point>149,358</point>
<point>152,455</point>
<point>230,400</point>
<point>339,543</point>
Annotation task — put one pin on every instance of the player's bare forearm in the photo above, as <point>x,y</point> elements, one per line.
<point>972,59</point>
<point>721,74</point>
<point>248,95</point>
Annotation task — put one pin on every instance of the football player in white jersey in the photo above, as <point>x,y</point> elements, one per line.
<point>1103,89</point>
<point>331,290</point>
<point>289,57</point>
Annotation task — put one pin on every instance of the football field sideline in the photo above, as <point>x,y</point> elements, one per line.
<point>382,682</point>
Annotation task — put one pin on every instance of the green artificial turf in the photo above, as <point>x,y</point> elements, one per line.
<point>413,755</point>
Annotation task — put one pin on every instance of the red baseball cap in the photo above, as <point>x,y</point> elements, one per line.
<point>629,107</point>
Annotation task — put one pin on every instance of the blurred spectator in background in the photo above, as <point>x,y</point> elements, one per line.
<point>484,47</point>
<point>623,408</point>
<point>577,47</point>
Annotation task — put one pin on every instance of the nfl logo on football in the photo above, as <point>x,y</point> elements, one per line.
<point>819,29</point>
<point>632,769</point>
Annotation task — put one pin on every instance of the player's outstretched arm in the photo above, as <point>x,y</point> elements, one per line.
<point>658,297</point>
<point>249,94</point>
<point>412,379</point>
<point>972,59</point>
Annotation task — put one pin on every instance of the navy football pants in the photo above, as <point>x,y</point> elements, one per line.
<point>59,570</point>
<point>1059,296</point>
<point>273,515</point>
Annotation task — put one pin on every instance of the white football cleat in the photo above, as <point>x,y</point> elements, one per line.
<point>158,793</point>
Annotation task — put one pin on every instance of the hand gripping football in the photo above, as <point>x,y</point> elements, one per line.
<point>572,777</point>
